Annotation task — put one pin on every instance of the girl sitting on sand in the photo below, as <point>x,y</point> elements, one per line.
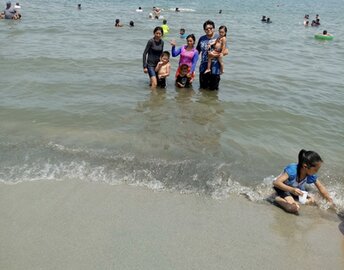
<point>218,49</point>
<point>290,184</point>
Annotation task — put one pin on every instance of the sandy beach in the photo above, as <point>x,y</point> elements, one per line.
<point>80,225</point>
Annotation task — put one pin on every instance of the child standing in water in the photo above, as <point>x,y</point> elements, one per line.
<point>218,49</point>
<point>183,79</point>
<point>163,68</point>
<point>291,183</point>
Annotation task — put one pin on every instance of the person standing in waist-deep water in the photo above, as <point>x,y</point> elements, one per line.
<point>151,55</point>
<point>209,80</point>
<point>188,55</point>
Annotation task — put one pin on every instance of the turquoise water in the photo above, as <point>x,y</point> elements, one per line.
<point>76,104</point>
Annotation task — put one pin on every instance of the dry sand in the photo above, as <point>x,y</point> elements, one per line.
<point>79,225</point>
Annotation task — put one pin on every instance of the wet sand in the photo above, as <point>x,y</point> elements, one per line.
<point>79,225</point>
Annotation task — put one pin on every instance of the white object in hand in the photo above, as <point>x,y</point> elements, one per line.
<point>303,198</point>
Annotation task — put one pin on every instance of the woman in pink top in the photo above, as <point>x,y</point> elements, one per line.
<point>188,55</point>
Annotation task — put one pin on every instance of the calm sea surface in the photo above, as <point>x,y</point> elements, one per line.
<point>75,103</point>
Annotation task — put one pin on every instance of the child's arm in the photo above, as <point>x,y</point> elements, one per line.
<point>158,66</point>
<point>166,72</point>
<point>180,85</point>
<point>224,49</point>
<point>279,183</point>
<point>323,191</point>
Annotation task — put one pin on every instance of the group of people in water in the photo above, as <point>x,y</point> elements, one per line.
<point>211,47</point>
<point>266,19</point>
<point>11,12</point>
<point>315,22</point>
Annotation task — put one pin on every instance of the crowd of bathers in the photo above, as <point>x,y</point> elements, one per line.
<point>11,13</point>
<point>315,22</point>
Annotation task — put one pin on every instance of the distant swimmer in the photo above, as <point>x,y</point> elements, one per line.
<point>263,18</point>
<point>17,7</point>
<point>182,33</point>
<point>165,27</point>
<point>139,10</point>
<point>79,6</point>
<point>9,12</point>
<point>118,23</point>
<point>220,11</point>
<point>177,9</point>
<point>156,12</point>
<point>326,34</point>
<point>131,24</point>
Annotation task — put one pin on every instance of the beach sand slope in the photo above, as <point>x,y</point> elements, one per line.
<point>79,225</point>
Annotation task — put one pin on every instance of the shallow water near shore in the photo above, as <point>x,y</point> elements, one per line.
<point>75,103</point>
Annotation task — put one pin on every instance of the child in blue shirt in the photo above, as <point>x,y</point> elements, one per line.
<point>290,184</point>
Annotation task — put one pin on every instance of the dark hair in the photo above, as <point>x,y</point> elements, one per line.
<point>309,158</point>
<point>131,23</point>
<point>158,28</point>
<point>167,53</point>
<point>164,21</point>
<point>224,28</point>
<point>207,22</point>
<point>117,22</point>
<point>182,29</point>
<point>324,32</point>
<point>191,36</point>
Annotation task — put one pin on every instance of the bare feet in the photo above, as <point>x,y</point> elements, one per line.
<point>291,207</point>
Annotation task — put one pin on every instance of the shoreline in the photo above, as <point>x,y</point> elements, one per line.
<point>85,225</point>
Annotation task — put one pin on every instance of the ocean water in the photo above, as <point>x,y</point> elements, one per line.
<point>75,103</point>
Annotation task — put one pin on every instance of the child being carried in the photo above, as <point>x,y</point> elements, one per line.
<point>218,49</point>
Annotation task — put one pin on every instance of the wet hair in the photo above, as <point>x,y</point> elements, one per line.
<point>324,32</point>
<point>131,23</point>
<point>208,22</point>
<point>224,28</point>
<point>116,22</point>
<point>164,21</point>
<point>182,30</point>
<point>191,36</point>
<point>166,53</point>
<point>310,158</point>
<point>158,28</point>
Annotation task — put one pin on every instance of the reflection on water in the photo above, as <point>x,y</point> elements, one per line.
<point>189,123</point>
